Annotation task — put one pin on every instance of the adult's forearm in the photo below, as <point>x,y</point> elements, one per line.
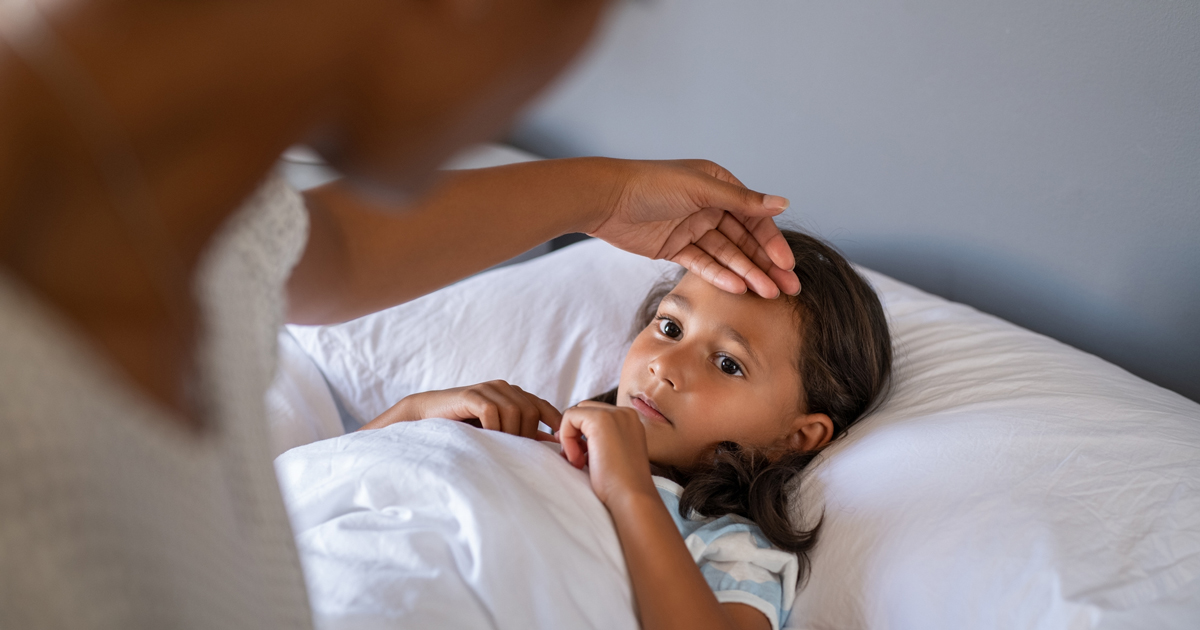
<point>363,256</point>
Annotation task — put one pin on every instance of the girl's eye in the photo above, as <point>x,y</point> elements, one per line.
<point>729,366</point>
<point>669,328</point>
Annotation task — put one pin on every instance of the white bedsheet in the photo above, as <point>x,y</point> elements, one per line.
<point>448,526</point>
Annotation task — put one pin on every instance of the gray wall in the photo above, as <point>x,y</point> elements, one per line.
<point>1037,159</point>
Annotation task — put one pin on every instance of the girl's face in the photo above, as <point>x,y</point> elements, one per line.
<point>715,367</point>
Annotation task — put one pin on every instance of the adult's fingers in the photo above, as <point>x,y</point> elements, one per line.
<point>771,239</point>
<point>763,228</point>
<point>718,171</point>
<point>717,246</point>
<point>698,261</point>
<point>728,254</point>
<point>777,267</point>
<point>777,263</point>
<point>763,235</point>
<point>740,235</point>
<point>786,280</point>
<point>733,246</point>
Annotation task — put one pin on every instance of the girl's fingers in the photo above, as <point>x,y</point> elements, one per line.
<point>510,415</point>
<point>488,414</point>
<point>507,407</point>
<point>531,411</point>
<point>568,435</point>
<point>527,413</point>
<point>546,412</point>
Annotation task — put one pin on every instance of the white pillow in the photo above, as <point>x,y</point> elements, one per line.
<point>1009,481</point>
<point>556,326</point>
<point>300,405</point>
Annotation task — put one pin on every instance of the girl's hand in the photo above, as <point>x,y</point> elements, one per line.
<point>612,442</point>
<point>669,589</point>
<point>494,405</point>
<point>697,214</point>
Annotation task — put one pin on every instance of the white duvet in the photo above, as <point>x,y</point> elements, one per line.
<point>435,524</point>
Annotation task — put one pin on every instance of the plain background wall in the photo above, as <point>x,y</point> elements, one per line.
<point>1037,159</point>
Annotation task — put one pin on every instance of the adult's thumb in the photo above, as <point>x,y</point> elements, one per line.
<point>741,200</point>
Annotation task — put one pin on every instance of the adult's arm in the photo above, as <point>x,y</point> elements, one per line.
<point>363,256</point>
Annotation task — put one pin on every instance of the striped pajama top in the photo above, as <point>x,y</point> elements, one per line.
<point>736,560</point>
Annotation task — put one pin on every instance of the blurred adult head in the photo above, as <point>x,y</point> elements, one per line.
<point>133,128</point>
<point>208,92</point>
<point>429,76</point>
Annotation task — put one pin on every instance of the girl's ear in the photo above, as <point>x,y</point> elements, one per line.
<point>810,432</point>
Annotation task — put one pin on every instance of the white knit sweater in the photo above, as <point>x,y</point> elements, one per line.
<point>113,517</point>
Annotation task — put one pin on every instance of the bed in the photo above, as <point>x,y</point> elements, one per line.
<point>1008,481</point>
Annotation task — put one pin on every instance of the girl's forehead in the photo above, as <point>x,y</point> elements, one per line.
<point>770,326</point>
<point>706,297</point>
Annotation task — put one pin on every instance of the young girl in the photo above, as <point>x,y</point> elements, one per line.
<point>722,399</point>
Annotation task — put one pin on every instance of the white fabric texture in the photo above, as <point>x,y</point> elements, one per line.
<point>557,326</point>
<point>435,524</point>
<point>112,515</point>
<point>300,409</point>
<point>1010,481</point>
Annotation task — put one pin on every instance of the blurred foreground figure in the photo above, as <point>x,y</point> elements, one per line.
<point>148,256</point>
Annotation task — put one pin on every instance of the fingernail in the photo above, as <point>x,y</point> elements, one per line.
<point>775,202</point>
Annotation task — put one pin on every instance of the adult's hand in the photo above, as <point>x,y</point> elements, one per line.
<point>363,256</point>
<point>697,214</point>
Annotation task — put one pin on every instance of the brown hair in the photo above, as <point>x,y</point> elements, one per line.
<point>844,362</point>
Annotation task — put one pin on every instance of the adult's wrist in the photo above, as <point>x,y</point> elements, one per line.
<point>605,179</point>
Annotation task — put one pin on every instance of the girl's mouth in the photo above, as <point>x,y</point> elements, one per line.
<point>646,407</point>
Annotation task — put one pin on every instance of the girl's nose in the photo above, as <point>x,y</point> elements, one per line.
<point>662,367</point>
